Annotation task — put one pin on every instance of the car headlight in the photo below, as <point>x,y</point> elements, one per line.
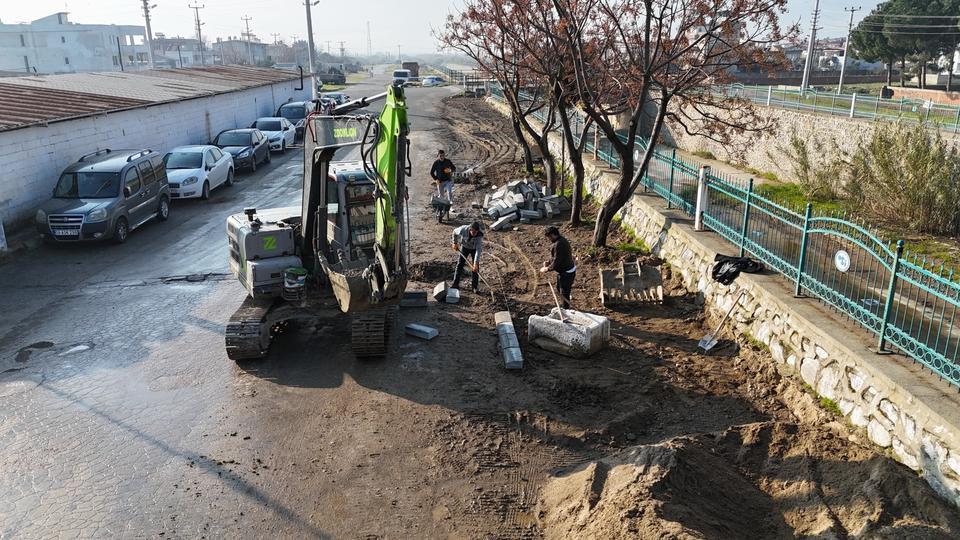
<point>41,216</point>
<point>97,215</point>
<point>245,153</point>
<point>188,181</point>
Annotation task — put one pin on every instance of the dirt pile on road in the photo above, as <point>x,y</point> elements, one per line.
<point>761,480</point>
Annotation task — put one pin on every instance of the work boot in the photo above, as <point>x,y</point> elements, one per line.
<point>476,290</point>
<point>440,218</point>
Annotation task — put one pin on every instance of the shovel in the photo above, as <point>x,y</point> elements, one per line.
<point>709,341</point>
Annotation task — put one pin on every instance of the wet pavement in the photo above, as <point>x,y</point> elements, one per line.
<point>120,415</point>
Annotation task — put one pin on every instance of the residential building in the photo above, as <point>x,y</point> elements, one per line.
<point>234,50</point>
<point>182,52</point>
<point>53,44</point>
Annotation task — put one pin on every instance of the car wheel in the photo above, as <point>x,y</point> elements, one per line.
<point>268,158</point>
<point>283,147</point>
<point>229,180</point>
<point>163,210</point>
<point>121,231</point>
<point>253,164</point>
<point>205,194</point>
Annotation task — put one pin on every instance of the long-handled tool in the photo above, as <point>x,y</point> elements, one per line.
<point>557,302</point>
<point>709,341</point>
<point>485,282</point>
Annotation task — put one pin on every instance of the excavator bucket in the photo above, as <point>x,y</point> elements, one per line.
<point>632,283</point>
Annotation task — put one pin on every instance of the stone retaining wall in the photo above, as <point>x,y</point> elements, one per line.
<point>901,408</point>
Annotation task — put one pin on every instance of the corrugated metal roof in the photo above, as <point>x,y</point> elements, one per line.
<point>50,98</point>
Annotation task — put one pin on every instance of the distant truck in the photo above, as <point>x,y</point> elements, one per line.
<point>332,76</point>
<point>412,67</point>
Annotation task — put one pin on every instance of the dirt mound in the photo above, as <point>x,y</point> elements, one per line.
<point>764,480</point>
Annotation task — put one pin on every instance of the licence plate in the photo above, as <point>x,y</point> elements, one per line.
<point>65,232</point>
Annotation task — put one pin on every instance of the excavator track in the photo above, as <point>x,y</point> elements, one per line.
<point>247,332</point>
<point>371,331</point>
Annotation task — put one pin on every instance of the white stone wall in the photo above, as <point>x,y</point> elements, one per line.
<point>32,158</point>
<point>905,411</point>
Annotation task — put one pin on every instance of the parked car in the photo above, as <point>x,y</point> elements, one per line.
<point>339,97</point>
<point>296,112</point>
<point>279,131</point>
<point>413,81</point>
<point>249,147</point>
<point>193,171</point>
<point>105,195</point>
<point>432,80</point>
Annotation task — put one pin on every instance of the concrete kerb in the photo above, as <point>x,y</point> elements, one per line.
<point>899,405</point>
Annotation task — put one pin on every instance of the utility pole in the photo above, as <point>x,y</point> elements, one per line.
<point>196,11</point>
<point>275,38</point>
<point>247,20</point>
<point>399,58</point>
<point>342,50</point>
<point>328,46</point>
<point>310,52</point>
<point>811,48</point>
<point>179,54</point>
<point>369,41</point>
<point>146,18</point>
<point>846,46</point>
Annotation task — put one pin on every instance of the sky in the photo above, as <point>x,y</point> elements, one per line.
<point>392,22</point>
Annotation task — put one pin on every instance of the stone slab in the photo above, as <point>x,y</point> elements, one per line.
<point>421,331</point>
<point>453,296</point>
<point>440,291</point>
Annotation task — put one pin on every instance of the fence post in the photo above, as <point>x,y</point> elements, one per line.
<point>814,101</point>
<point>746,216</point>
<point>876,107</point>
<point>900,112</point>
<point>956,121</point>
<point>853,104</point>
<point>769,95</point>
<point>803,248</point>
<point>673,166</point>
<point>702,198</point>
<point>881,340</point>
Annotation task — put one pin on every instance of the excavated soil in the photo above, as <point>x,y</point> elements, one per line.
<point>648,438</point>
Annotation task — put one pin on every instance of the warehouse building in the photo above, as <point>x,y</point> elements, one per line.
<point>47,122</point>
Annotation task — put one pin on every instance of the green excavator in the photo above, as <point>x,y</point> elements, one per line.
<point>344,250</point>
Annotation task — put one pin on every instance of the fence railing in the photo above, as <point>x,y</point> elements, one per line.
<point>903,300</point>
<point>946,117</point>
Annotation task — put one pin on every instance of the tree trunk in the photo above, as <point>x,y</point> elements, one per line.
<point>903,69</point>
<point>602,228</point>
<point>576,159</point>
<point>527,154</point>
<point>890,73</point>
<point>549,162</point>
<point>950,78</point>
<point>923,76</point>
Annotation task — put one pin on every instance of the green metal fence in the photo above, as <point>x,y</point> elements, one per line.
<point>946,117</point>
<point>904,300</point>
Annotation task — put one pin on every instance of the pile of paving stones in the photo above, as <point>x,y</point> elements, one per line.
<point>524,201</point>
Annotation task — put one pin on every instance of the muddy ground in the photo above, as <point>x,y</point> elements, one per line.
<point>649,438</point>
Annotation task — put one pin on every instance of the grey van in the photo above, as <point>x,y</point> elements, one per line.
<point>105,195</point>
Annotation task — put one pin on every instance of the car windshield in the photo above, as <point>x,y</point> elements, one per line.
<point>183,160</point>
<point>268,125</point>
<point>293,113</point>
<point>401,73</point>
<point>233,138</point>
<point>87,185</point>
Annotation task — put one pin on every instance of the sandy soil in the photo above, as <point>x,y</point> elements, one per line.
<point>648,438</point>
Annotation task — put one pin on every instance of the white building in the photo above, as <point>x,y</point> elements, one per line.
<point>53,44</point>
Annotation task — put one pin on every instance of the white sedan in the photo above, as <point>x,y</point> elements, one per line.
<point>279,131</point>
<point>192,171</point>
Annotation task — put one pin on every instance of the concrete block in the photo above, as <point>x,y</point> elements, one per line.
<point>453,296</point>
<point>548,209</point>
<point>493,212</point>
<point>512,358</point>
<point>504,221</point>
<point>524,221</point>
<point>421,331</point>
<point>508,344</point>
<point>580,335</point>
<point>414,299</point>
<point>530,214</point>
<point>518,199</point>
<point>440,292</point>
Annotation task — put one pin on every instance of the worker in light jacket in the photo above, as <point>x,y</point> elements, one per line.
<point>442,174</point>
<point>561,262</point>
<point>468,243</point>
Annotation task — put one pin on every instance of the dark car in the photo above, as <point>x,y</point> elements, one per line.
<point>249,147</point>
<point>104,195</point>
<point>296,112</point>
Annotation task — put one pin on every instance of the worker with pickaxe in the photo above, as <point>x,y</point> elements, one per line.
<point>561,261</point>
<point>468,243</point>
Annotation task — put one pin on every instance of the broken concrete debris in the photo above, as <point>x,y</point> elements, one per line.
<point>508,344</point>
<point>523,200</point>
<point>578,335</point>
<point>421,331</point>
<point>440,291</point>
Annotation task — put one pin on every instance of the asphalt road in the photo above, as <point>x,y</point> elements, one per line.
<point>120,415</point>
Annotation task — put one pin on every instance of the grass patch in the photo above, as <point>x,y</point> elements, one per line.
<point>766,175</point>
<point>705,154</point>
<point>830,406</point>
<point>791,196</point>
<point>333,87</point>
<point>637,247</point>
<point>755,343</point>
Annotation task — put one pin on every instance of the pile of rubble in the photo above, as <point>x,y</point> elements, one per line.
<point>523,200</point>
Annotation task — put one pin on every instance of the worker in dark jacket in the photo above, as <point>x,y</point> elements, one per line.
<point>442,173</point>
<point>561,262</point>
<point>468,243</point>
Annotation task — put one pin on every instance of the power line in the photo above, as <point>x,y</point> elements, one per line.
<point>895,16</point>
<point>906,33</point>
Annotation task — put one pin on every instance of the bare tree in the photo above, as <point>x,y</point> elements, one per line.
<point>641,64</point>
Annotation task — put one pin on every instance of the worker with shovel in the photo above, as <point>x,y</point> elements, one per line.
<point>442,173</point>
<point>561,262</point>
<point>468,243</point>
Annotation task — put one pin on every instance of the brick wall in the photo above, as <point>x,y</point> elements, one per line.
<point>32,158</point>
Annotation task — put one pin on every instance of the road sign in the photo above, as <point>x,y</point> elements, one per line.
<point>842,260</point>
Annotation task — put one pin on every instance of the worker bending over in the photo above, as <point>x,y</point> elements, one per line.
<point>468,242</point>
<point>561,262</point>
